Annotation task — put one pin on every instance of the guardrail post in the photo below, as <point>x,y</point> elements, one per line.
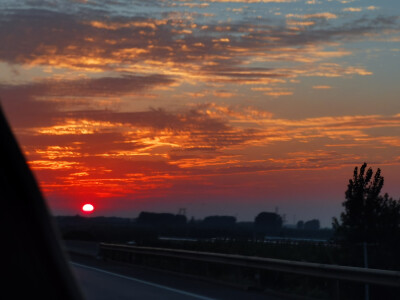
<point>181,266</point>
<point>237,274</point>
<point>335,290</point>
<point>257,277</point>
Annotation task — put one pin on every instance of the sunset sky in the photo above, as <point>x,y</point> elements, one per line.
<point>228,107</point>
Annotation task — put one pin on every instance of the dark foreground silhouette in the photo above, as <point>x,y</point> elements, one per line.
<point>33,263</point>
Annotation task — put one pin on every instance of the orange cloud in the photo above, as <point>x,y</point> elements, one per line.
<point>321,87</point>
<point>324,15</point>
<point>51,164</point>
<point>223,94</point>
<point>352,9</point>
<point>254,1</point>
<point>273,91</point>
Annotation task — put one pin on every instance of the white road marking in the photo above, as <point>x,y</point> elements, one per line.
<point>144,282</point>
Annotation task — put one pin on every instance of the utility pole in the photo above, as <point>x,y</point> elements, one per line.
<point>182,211</point>
<point>366,287</point>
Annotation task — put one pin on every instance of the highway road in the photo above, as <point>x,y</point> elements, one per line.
<point>100,284</point>
<point>100,281</point>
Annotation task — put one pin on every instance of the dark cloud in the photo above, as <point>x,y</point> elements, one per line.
<point>26,34</point>
<point>23,111</point>
<point>158,119</point>
<point>237,74</point>
<point>97,87</point>
<point>26,104</point>
<point>52,37</point>
<point>320,33</point>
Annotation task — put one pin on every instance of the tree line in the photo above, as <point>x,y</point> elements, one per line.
<point>150,225</point>
<point>368,217</point>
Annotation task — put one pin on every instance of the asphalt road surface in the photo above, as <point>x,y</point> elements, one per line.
<point>100,281</point>
<point>100,284</point>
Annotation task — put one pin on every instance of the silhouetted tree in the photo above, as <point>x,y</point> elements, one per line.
<point>368,216</point>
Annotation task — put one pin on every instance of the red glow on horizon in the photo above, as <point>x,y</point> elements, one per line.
<point>87,208</point>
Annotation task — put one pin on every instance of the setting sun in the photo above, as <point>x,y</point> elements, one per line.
<point>88,208</point>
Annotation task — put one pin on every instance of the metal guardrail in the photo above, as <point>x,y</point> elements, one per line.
<point>355,274</point>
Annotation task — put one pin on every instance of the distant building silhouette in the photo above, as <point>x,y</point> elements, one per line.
<point>161,219</point>
<point>312,225</point>
<point>268,222</point>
